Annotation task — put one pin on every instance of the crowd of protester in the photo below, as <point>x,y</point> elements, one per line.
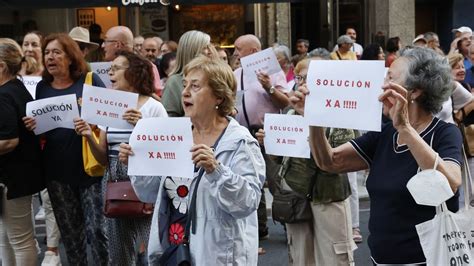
<point>224,205</point>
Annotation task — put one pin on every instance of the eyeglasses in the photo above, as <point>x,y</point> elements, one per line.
<point>114,68</point>
<point>109,41</point>
<point>300,78</point>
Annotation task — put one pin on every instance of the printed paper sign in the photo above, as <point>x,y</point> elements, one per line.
<point>30,84</point>
<point>286,135</point>
<point>54,112</point>
<point>105,107</point>
<point>344,94</point>
<point>264,61</point>
<point>161,147</point>
<point>102,69</point>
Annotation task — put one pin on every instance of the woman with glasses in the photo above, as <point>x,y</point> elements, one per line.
<point>132,73</point>
<point>327,238</point>
<point>75,196</point>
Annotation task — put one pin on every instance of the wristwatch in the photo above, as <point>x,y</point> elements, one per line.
<point>271,90</point>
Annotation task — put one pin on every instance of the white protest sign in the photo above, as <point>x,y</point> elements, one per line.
<point>30,83</point>
<point>102,69</point>
<point>286,135</point>
<point>53,112</point>
<point>264,61</point>
<point>161,147</point>
<point>344,94</point>
<point>105,107</point>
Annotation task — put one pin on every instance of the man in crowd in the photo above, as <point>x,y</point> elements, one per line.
<point>432,41</point>
<point>344,49</point>
<point>459,31</point>
<point>302,46</point>
<point>151,49</point>
<point>121,38</point>
<point>137,44</point>
<point>356,48</point>
<point>264,94</point>
<point>419,41</point>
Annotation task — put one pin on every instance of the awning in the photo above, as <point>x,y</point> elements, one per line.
<point>18,4</point>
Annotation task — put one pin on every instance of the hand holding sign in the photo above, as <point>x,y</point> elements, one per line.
<point>394,99</point>
<point>264,61</point>
<point>203,156</point>
<point>342,92</point>
<point>107,107</point>
<point>51,113</point>
<point>161,147</point>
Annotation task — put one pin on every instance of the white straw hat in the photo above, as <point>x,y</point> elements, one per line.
<point>80,34</point>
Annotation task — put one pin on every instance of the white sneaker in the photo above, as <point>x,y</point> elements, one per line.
<point>51,259</point>
<point>40,215</point>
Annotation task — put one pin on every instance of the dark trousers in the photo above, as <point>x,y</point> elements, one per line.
<point>79,214</point>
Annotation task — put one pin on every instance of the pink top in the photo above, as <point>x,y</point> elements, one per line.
<point>257,100</point>
<point>157,80</point>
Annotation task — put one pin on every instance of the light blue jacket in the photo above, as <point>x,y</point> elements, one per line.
<point>226,204</point>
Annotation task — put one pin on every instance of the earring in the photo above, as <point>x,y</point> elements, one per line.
<point>412,101</point>
<point>217,107</point>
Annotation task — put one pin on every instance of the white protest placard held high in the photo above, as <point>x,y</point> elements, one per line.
<point>161,147</point>
<point>53,112</point>
<point>30,83</point>
<point>286,135</point>
<point>344,94</point>
<point>105,107</point>
<point>102,69</point>
<point>264,61</point>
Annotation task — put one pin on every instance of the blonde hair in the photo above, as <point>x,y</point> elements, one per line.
<point>454,58</point>
<point>220,79</point>
<point>11,55</point>
<point>301,64</point>
<point>190,45</point>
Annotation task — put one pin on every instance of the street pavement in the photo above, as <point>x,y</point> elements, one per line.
<point>275,246</point>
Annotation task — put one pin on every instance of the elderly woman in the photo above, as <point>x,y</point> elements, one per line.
<point>284,59</point>
<point>132,73</point>
<point>330,231</point>
<point>75,196</point>
<point>33,64</point>
<point>20,168</point>
<point>227,196</point>
<point>191,44</point>
<point>410,141</point>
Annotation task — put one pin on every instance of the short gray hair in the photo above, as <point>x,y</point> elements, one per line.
<point>283,50</point>
<point>430,73</point>
<point>320,52</point>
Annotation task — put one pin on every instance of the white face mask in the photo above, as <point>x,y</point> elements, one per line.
<point>430,187</point>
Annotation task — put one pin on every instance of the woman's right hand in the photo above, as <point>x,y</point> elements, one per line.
<point>30,123</point>
<point>260,134</point>
<point>297,100</point>
<point>82,127</point>
<point>125,150</point>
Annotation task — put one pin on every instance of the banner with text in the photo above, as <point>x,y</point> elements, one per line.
<point>344,94</point>
<point>102,69</point>
<point>53,112</point>
<point>30,83</point>
<point>161,147</point>
<point>105,107</point>
<point>286,135</point>
<point>264,61</point>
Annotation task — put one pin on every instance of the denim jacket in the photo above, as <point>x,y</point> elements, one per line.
<point>226,204</point>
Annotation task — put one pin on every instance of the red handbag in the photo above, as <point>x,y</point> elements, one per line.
<point>122,202</point>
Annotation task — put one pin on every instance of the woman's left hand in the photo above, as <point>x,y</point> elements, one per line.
<point>203,156</point>
<point>132,116</point>
<point>394,99</point>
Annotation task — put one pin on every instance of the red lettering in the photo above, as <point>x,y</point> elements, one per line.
<point>150,155</point>
<point>336,104</point>
<point>328,103</point>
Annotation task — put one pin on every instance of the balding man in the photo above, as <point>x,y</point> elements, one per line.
<point>120,38</point>
<point>151,49</point>
<point>267,94</point>
<point>117,38</point>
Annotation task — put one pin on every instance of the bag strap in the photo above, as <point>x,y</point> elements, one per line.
<point>88,79</point>
<point>338,55</point>
<point>243,98</point>
<point>191,219</point>
<point>468,189</point>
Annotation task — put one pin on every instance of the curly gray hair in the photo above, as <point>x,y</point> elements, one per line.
<point>430,73</point>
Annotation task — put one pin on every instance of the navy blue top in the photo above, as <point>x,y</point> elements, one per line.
<point>62,154</point>
<point>393,211</point>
